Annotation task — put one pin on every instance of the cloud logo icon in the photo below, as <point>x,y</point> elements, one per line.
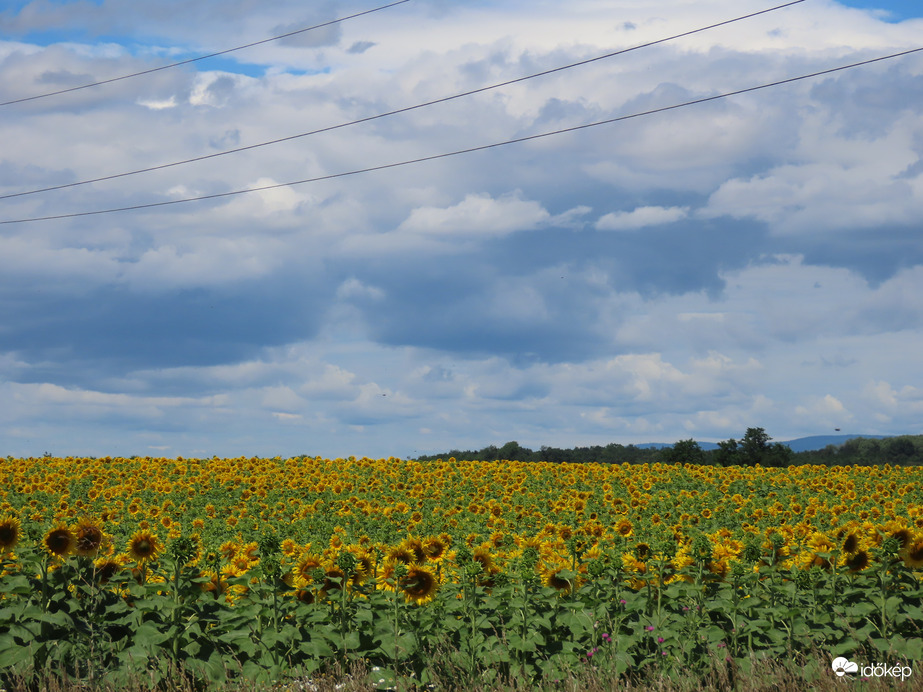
<point>841,666</point>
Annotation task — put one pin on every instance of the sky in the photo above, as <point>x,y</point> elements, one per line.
<point>749,261</point>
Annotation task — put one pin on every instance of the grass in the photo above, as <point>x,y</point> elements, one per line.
<point>765,675</point>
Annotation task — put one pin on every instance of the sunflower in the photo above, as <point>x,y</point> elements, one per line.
<point>415,546</point>
<point>364,567</point>
<point>89,538</point>
<point>401,553</point>
<point>902,536</point>
<point>482,555</point>
<point>624,528</point>
<point>228,550</point>
<point>556,576</point>
<point>388,575</point>
<point>333,580</point>
<point>435,547</point>
<point>9,532</point>
<point>858,561</point>
<point>108,567</point>
<point>305,596</point>
<point>250,551</point>
<point>851,543</point>
<point>143,546</point>
<point>307,565</point>
<point>216,584</point>
<point>59,541</point>
<point>288,547</point>
<point>232,591</point>
<point>418,585</point>
<point>913,554</point>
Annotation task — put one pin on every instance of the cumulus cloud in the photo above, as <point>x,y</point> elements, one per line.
<point>478,214</point>
<point>750,261</point>
<point>640,217</point>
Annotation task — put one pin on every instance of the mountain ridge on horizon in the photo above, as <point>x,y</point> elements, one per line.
<point>799,444</point>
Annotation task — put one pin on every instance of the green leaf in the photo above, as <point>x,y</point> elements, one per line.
<point>148,636</point>
<point>911,649</point>
<point>17,584</point>
<point>15,658</point>
<point>317,648</point>
<point>882,645</point>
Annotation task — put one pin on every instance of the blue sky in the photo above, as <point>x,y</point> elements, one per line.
<point>896,11</point>
<point>753,261</point>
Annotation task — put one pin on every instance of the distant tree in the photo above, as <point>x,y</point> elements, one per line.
<point>778,454</point>
<point>512,452</point>
<point>555,455</point>
<point>899,450</point>
<point>683,452</point>
<point>754,446</point>
<point>489,453</point>
<point>728,453</point>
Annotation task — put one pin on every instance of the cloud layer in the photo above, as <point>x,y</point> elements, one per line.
<point>748,261</point>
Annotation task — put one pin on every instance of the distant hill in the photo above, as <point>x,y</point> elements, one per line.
<point>845,449</point>
<point>801,444</point>
<point>809,444</point>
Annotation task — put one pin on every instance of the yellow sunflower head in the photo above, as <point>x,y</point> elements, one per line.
<point>144,546</point>
<point>334,579</point>
<point>558,577</point>
<point>435,548</point>
<point>418,585</point>
<point>307,565</point>
<point>108,567</point>
<point>624,528</point>
<point>401,553</point>
<point>902,536</point>
<point>858,561</point>
<point>913,553</point>
<point>482,555</point>
<point>415,546</point>
<point>89,538</point>
<point>59,541</point>
<point>9,532</point>
<point>851,544</point>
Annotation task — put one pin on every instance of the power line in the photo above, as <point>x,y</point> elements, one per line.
<point>458,152</point>
<point>202,57</point>
<point>394,112</point>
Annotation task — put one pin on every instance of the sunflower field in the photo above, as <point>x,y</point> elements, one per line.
<point>265,569</point>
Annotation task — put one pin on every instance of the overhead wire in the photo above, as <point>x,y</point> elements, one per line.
<point>202,57</point>
<point>396,111</point>
<point>469,150</point>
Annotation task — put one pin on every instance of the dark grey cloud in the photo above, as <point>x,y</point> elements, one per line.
<point>360,47</point>
<point>867,103</point>
<point>876,254</point>
<point>111,331</point>
<point>462,311</point>
<point>316,38</point>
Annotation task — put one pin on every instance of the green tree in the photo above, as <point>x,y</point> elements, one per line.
<point>899,450</point>
<point>754,446</point>
<point>512,452</point>
<point>728,454</point>
<point>683,452</point>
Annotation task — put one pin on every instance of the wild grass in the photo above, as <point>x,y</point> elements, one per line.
<point>766,675</point>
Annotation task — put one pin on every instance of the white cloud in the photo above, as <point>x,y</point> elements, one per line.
<point>775,281</point>
<point>282,398</point>
<point>353,288</point>
<point>158,105</point>
<point>641,217</point>
<point>478,214</point>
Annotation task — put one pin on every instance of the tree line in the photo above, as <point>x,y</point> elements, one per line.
<point>755,447</point>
